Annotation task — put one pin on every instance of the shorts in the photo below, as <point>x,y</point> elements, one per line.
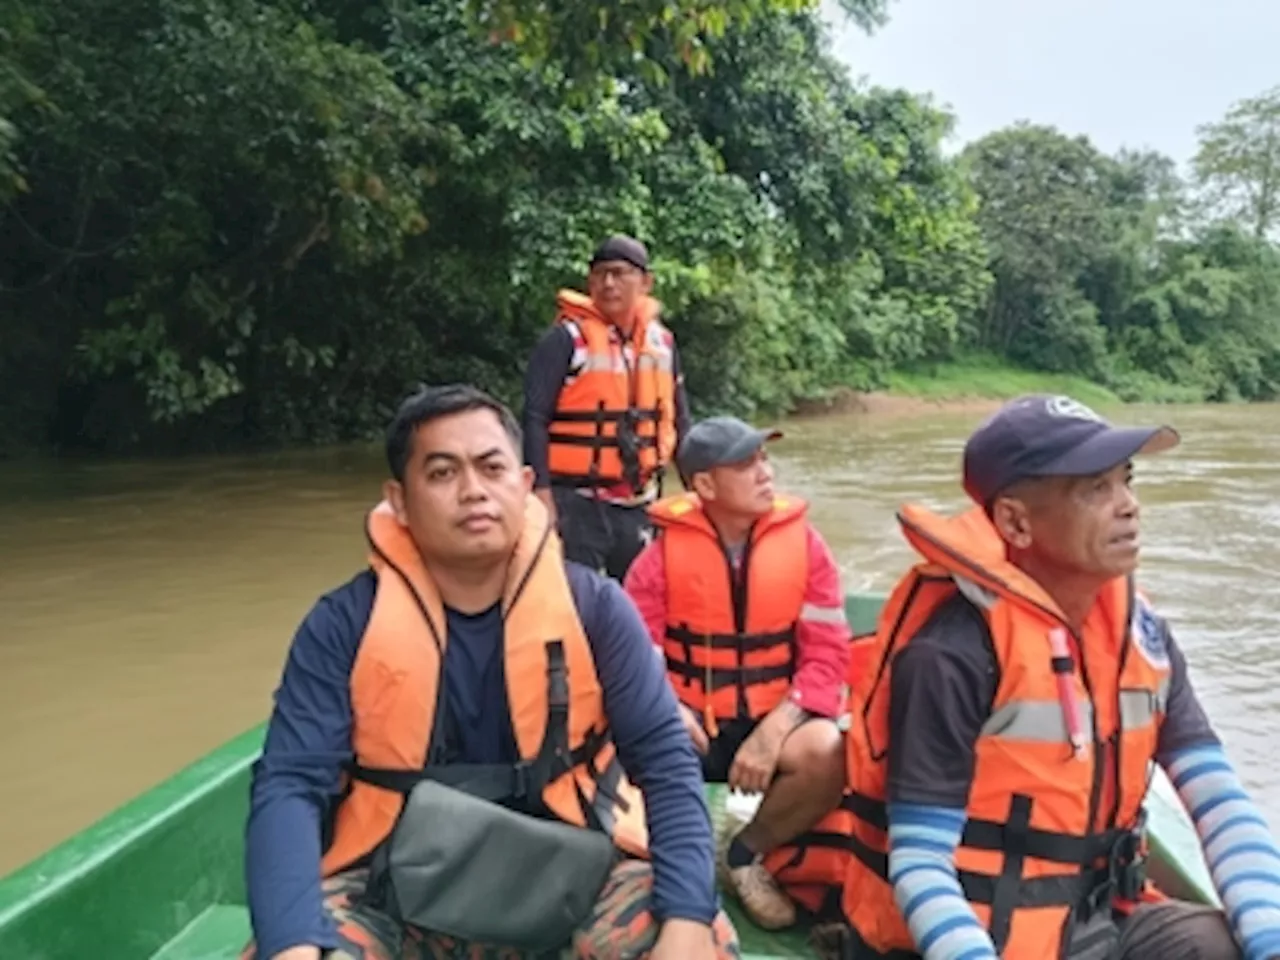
<point>620,928</point>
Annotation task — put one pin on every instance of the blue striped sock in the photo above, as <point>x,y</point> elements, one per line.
<point>1238,847</point>
<point>922,845</point>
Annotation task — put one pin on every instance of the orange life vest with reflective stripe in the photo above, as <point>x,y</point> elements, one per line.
<point>1042,818</point>
<point>730,637</point>
<point>554,696</point>
<point>583,441</point>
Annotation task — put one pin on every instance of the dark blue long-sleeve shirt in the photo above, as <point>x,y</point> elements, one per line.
<point>309,739</point>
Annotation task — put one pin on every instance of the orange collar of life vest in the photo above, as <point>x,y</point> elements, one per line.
<point>577,306</point>
<point>969,546</point>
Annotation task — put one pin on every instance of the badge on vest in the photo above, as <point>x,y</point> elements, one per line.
<point>1148,635</point>
<point>658,338</point>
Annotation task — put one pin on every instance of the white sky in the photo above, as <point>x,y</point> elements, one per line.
<point>1136,73</point>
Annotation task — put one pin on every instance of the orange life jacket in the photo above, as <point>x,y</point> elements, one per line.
<point>813,865</point>
<point>1042,819</point>
<point>730,639</point>
<point>582,438</point>
<point>557,709</point>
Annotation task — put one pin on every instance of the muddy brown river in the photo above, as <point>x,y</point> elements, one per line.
<point>146,606</point>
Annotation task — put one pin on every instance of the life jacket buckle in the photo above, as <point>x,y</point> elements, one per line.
<point>1127,863</point>
<point>1100,897</point>
<point>521,779</point>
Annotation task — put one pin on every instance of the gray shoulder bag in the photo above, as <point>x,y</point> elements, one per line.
<point>459,863</point>
<point>464,866</point>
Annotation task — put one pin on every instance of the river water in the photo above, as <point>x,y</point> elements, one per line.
<point>147,606</point>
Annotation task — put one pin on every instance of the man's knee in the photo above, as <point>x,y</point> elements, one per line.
<point>815,752</point>
<point>1176,930</point>
<point>363,933</point>
<point>622,926</point>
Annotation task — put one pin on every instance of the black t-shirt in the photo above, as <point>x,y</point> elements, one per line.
<point>477,719</point>
<point>944,682</point>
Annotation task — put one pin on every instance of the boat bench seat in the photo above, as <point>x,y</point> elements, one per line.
<point>220,933</point>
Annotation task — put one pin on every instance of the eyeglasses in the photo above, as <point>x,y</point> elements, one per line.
<point>613,271</point>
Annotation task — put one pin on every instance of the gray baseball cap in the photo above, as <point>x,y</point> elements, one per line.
<point>719,442</point>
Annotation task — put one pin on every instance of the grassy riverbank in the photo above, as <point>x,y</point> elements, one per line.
<point>987,378</point>
<point>976,383</point>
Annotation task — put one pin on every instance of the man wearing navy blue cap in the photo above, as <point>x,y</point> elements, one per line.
<point>604,408</point>
<point>1050,436</point>
<point>1002,756</point>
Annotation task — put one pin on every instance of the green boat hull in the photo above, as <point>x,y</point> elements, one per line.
<point>162,876</point>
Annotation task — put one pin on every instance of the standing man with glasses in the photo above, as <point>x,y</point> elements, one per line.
<point>604,407</point>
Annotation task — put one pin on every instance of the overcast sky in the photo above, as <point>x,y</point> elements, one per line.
<point>1136,73</point>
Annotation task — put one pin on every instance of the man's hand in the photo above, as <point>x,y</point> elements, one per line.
<point>304,952</point>
<point>757,759</point>
<point>684,940</point>
<point>694,728</point>
<point>548,501</point>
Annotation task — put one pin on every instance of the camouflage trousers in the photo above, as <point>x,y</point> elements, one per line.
<point>620,927</point>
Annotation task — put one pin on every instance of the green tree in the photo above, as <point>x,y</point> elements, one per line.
<point>1207,318</point>
<point>1100,270</point>
<point>260,219</point>
<point>1045,213</point>
<point>1238,163</point>
<point>591,36</point>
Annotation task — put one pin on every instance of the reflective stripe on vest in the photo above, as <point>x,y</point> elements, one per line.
<point>1042,821</point>
<point>730,635</point>
<point>613,421</point>
<point>812,613</point>
<point>553,694</point>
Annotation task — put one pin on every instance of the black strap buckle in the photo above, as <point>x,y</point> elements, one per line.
<point>521,779</point>
<point>1127,864</point>
<point>1100,895</point>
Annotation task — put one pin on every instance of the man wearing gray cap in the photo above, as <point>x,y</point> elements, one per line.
<point>1001,757</point>
<point>742,597</point>
<point>604,407</point>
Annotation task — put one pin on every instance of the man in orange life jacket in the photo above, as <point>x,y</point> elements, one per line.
<point>1000,751</point>
<point>604,405</point>
<point>468,646</point>
<point>742,597</point>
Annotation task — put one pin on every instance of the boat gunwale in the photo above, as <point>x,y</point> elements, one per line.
<point>80,855</point>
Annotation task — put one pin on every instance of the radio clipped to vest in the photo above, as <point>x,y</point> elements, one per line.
<point>629,448</point>
<point>1095,934</point>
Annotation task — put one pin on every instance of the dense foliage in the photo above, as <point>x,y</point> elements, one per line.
<point>1113,268</point>
<point>239,221</point>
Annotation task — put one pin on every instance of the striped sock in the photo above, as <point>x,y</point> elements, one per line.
<point>922,845</point>
<point>1238,847</point>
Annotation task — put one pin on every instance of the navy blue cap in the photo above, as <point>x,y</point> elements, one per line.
<point>1050,436</point>
<point>719,442</point>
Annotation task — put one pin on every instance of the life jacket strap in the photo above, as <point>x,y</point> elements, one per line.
<point>717,678</point>
<point>507,781</point>
<point>746,642</point>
